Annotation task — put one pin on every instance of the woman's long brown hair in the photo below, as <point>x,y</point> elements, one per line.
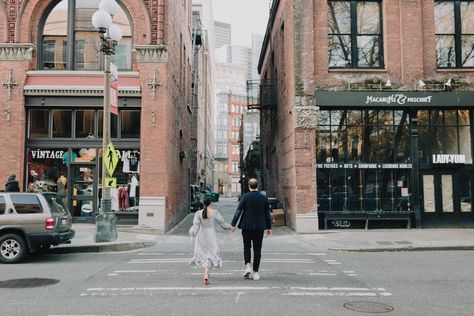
<point>207,202</point>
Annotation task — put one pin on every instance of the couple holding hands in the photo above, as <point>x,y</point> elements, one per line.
<point>254,214</point>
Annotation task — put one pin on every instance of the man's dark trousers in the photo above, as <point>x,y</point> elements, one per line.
<point>255,237</point>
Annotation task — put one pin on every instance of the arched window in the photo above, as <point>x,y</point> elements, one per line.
<point>68,40</point>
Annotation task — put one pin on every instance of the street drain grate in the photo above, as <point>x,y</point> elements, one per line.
<point>368,307</point>
<point>26,283</point>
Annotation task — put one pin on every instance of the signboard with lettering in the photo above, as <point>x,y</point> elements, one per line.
<point>448,159</point>
<point>114,98</point>
<point>364,166</point>
<point>394,98</point>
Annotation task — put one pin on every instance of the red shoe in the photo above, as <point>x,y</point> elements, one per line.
<point>206,281</point>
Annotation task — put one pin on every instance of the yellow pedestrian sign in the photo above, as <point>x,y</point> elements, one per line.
<point>110,183</point>
<point>110,159</point>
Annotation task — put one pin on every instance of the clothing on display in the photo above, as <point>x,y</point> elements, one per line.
<point>131,161</point>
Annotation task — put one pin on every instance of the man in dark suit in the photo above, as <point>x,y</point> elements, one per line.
<point>254,214</point>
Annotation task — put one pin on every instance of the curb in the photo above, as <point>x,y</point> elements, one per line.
<point>102,248</point>
<point>435,248</point>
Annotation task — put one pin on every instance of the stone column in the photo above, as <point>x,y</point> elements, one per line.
<point>305,156</point>
<point>15,61</point>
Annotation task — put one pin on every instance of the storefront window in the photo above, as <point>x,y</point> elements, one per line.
<point>85,123</point>
<point>62,123</point>
<point>39,124</point>
<point>448,132</point>
<point>44,168</point>
<point>130,124</point>
<point>113,124</point>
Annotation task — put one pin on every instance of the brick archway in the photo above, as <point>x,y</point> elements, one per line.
<point>32,11</point>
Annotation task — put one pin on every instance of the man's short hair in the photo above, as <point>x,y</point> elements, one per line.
<point>253,183</point>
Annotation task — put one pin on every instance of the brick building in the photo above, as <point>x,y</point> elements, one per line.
<point>51,104</point>
<point>373,111</point>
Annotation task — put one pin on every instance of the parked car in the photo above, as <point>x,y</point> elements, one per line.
<point>197,198</point>
<point>30,222</point>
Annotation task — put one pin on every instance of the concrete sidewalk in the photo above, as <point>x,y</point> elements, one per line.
<point>129,238</point>
<point>392,239</point>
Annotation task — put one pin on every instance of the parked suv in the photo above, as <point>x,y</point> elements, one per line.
<point>30,222</point>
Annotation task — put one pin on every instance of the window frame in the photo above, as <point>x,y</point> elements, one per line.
<point>96,124</point>
<point>70,61</point>
<point>354,63</point>
<point>457,34</point>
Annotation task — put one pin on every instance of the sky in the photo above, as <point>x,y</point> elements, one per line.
<point>245,16</point>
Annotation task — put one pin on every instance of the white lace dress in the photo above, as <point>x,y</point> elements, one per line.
<point>206,250</point>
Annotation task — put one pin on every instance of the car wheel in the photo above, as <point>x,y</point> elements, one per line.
<point>12,248</point>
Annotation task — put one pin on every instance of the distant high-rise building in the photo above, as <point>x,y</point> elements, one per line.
<point>223,33</point>
<point>257,42</point>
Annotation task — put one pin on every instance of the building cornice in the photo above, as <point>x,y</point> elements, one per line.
<point>151,53</point>
<point>85,91</point>
<point>16,52</point>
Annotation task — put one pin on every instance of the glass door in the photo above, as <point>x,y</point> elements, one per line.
<point>447,199</point>
<point>83,191</point>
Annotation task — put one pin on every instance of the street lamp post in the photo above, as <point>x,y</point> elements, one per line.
<point>110,35</point>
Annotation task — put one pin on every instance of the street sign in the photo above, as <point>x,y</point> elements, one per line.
<point>110,159</point>
<point>114,97</point>
<point>113,72</point>
<point>110,183</point>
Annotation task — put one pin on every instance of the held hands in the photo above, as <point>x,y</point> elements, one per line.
<point>232,229</point>
<point>269,232</point>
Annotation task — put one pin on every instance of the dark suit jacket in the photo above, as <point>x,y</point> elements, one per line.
<point>253,211</point>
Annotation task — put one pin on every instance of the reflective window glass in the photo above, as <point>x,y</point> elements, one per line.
<point>428,193</point>
<point>54,41</point>
<point>113,124</point>
<point>454,29</point>
<point>2,205</point>
<point>39,123</point>
<point>465,143</point>
<point>85,123</point>
<point>26,204</point>
<point>354,34</point>
<point>465,194</point>
<point>86,44</point>
<point>130,124</point>
<point>62,123</point>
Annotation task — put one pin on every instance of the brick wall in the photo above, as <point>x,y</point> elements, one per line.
<point>165,120</point>
<point>298,60</point>
<point>12,122</point>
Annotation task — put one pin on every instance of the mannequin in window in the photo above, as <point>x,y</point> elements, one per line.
<point>61,184</point>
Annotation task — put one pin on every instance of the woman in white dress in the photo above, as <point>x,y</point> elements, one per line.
<point>203,232</point>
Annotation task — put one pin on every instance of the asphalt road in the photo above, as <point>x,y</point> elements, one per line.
<point>296,280</point>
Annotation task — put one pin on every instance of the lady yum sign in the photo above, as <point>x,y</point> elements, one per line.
<point>448,159</point>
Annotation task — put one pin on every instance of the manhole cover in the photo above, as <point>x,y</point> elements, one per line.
<point>24,283</point>
<point>368,307</point>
